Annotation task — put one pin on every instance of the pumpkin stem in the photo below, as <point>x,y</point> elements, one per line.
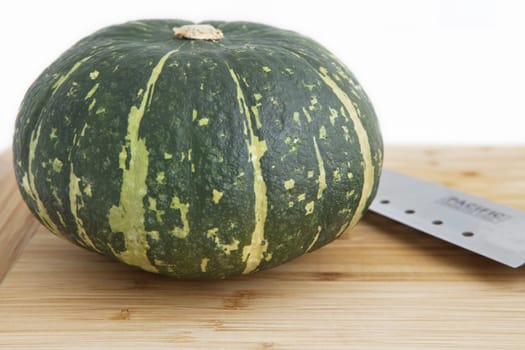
<point>198,32</point>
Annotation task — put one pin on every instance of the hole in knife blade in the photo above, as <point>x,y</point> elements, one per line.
<point>437,222</point>
<point>410,211</point>
<point>468,234</point>
<point>384,201</point>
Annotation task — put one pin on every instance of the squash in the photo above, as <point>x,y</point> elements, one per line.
<point>199,151</point>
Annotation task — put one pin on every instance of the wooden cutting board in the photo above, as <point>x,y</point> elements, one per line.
<point>379,286</point>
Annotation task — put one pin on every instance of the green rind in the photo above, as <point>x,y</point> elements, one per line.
<point>191,145</point>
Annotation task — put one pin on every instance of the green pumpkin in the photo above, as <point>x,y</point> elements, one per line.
<point>200,151</point>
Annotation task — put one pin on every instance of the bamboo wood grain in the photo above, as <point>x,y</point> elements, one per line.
<point>16,224</point>
<point>379,286</point>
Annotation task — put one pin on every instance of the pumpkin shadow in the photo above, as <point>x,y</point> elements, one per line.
<point>109,284</point>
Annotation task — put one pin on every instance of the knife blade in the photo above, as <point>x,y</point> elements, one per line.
<point>479,225</point>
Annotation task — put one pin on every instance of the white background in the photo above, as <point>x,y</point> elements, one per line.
<point>438,72</point>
